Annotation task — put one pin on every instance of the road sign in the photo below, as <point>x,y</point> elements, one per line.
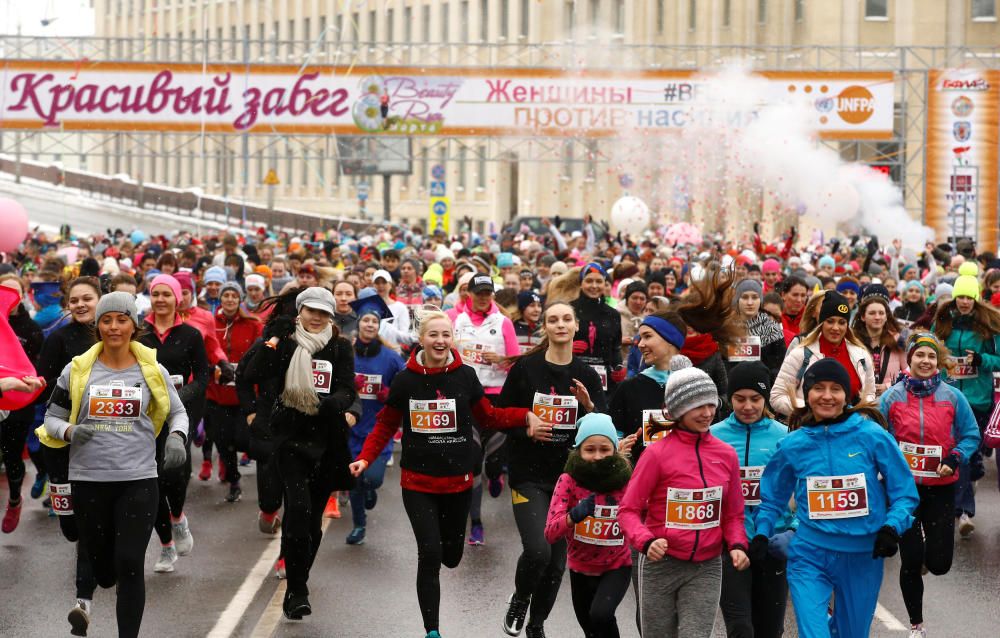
<point>440,215</point>
<point>437,172</point>
<point>271,179</point>
<point>362,196</point>
<point>363,191</point>
<point>438,188</point>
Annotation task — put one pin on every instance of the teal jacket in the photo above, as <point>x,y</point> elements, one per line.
<point>978,390</point>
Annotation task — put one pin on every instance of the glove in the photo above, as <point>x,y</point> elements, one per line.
<point>359,382</point>
<point>758,549</point>
<point>777,545</point>
<point>580,346</point>
<point>280,326</point>
<point>977,359</point>
<point>951,461</point>
<point>81,434</point>
<point>886,543</point>
<point>582,510</point>
<point>174,453</point>
<point>227,372</point>
<point>619,374</point>
<point>382,395</point>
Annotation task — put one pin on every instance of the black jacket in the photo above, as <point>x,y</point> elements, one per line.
<point>183,353</point>
<point>59,348</point>
<point>601,330</point>
<point>631,398</point>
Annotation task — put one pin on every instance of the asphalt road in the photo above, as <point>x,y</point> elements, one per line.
<point>226,587</point>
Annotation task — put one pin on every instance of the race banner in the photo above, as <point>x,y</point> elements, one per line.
<point>963,106</point>
<point>114,96</point>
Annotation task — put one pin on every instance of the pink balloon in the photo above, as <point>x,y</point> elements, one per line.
<point>13,224</point>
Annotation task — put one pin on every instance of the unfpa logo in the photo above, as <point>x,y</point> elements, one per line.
<point>855,104</point>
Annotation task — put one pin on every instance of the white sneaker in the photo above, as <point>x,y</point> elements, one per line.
<point>183,540</point>
<point>168,556</point>
<point>390,462</point>
<point>918,632</point>
<point>965,526</point>
<point>79,617</point>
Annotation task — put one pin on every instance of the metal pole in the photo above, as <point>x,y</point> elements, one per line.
<point>17,155</point>
<point>270,197</point>
<point>386,193</point>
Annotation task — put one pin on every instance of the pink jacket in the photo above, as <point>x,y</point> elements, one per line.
<point>584,555</point>
<point>696,471</point>
<point>204,321</point>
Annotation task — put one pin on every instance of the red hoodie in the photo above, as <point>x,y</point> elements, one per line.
<point>236,337</point>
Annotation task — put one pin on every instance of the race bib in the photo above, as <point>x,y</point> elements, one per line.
<point>602,373</point>
<point>433,417</point>
<point>177,381</point>
<point>473,353</point>
<point>322,376</point>
<point>62,498</point>
<point>600,529</point>
<point>745,349</point>
<point>557,410</point>
<point>750,482</point>
<point>114,403</point>
<point>996,387</point>
<point>837,496</point>
<point>368,385</point>
<point>963,370</point>
<point>693,509</point>
<point>654,425</point>
<point>922,459</point>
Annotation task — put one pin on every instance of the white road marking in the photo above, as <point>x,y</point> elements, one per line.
<point>885,617</point>
<point>237,607</point>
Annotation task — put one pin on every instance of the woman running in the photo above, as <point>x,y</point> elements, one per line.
<point>764,340</point>
<point>110,404</point>
<point>584,513</point>
<point>936,430</point>
<point>309,368</point>
<point>344,317</point>
<point>598,342</point>
<point>559,388</point>
<point>753,601</point>
<point>435,400</point>
<point>854,496</point>
<point>527,320</point>
<point>878,330</point>
<point>375,366</point>
<point>683,505</point>
<point>181,350</point>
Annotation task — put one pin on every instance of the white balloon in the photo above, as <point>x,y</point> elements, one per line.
<point>630,215</point>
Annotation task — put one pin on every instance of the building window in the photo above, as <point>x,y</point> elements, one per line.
<point>461,167</point>
<point>525,18</point>
<point>595,15</point>
<point>355,27</point>
<point>800,10</point>
<point>291,31</point>
<point>876,9</point>
<point>567,163</point>
<point>425,20</point>
<point>727,12</point>
<point>306,30</point>
<point>692,14</point>
<point>570,17</point>
<point>390,33</point>
<point>620,17</point>
<point>591,148</point>
<point>445,36</point>
<point>466,27</point>
<point>408,25</point>
<point>761,11</point>
<point>660,15</point>
<point>984,10</point>
<point>484,20</point>
<point>504,18</point>
<point>372,17</point>
<point>481,169</point>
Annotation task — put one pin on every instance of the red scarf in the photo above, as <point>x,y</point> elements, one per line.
<point>839,352</point>
<point>697,348</point>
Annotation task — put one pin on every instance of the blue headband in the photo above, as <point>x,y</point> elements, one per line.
<point>592,266</point>
<point>848,285</point>
<point>665,329</point>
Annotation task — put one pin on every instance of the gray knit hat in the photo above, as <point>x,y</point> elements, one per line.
<point>687,388</point>
<point>234,286</point>
<point>747,285</point>
<point>122,302</point>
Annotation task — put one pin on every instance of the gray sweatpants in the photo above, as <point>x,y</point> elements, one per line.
<point>678,598</point>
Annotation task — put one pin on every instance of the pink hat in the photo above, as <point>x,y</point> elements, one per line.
<point>770,265</point>
<point>169,282</point>
<point>183,278</point>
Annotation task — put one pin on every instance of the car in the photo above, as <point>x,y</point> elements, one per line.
<point>567,225</point>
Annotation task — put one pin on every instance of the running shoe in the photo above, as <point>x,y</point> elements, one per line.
<point>344,497</point>
<point>38,487</point>
<point>12,517</point>
<point>222,471</point>
<point>390,462</point>
<point>517,611</point>
<point>496,486</point>
<point>476,535</point>
<point>918,632</point>
<point>357,536</point>
<point>245,460</point>
<point>268,523</point>
<point>965,526</point>
<point>206,471</point>
<point>235,493</point>
<point>168,556</point>
<point>531,631</point>
<point>279,569</point>
<point>332,507</point>
<point>183,539</point>
<point>371,499</point>
<point>296,606</point>
<point>79,617</point>
<point>47,502</point>
<point>433,634</point>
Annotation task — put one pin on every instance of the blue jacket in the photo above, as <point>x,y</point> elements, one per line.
<point>855,445</point>
<point>755,444</point>
<point>386,363</point>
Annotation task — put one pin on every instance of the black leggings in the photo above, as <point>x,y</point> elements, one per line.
<point>13,434</point>
<point>116,520</point>
<point>930,541</point>
<point>753,601</point>
<point>225,427</point>
<point>173,486</point>
<point>302,528</point>
<point>438,522</point>
<point>541,565</point>
<point>57,462</point>
<point>595,599</point>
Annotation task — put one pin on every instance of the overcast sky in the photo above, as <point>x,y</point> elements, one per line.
<point>67,17</point>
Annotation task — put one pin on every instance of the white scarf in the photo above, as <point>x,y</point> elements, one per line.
<point>299,393</point>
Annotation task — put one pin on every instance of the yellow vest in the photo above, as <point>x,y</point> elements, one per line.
<point>79,375</point>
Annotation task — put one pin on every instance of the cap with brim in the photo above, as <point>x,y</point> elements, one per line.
<point>481,283</point>
<point>381,274</point>
<point>316,298</point>
<point>371,304</point>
